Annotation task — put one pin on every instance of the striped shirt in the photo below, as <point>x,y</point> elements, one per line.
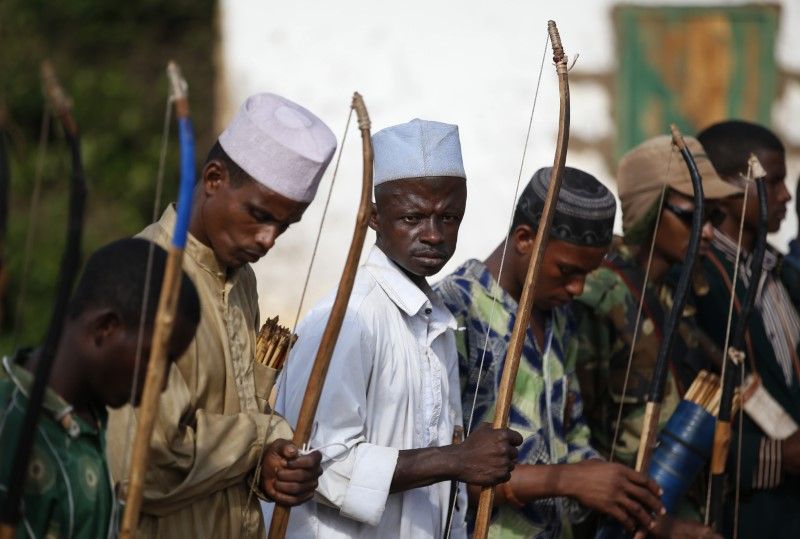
<point>780,319</point>
<point>782,326</point>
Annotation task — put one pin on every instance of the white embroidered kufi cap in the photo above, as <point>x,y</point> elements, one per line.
<point>280,144</point>
<point>417,149</point>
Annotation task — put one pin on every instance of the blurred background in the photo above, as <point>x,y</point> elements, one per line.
<point>639,67</point>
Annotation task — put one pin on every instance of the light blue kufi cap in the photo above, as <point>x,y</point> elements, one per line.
<point>417,149</point>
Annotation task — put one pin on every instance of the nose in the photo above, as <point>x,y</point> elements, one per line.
<point>266,236</point>
<point>785,195</point>
<point>575,286</point>
<point>431,232</point>
<point>707,232</point>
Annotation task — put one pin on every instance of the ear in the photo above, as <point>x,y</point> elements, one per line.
<point>214,176</point>
<point>373,218</point>
<point>732,206</point>
<point>104,325</point>
<point>522,238</point>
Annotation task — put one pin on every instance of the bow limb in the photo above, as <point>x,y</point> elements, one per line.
<point>658,381</point>
<point>316,380</point>
<point>517,340</point>
<point>165,315</point>
<point>735,353</point>
<point>5,186</point>
<point>70,263</point>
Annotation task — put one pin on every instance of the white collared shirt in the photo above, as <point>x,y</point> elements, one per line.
<point>392,384</point>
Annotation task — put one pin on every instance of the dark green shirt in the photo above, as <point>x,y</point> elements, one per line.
<point>68,489</point>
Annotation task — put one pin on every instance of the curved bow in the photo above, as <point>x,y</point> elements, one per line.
<point>167,305</point>
<point>657,383</point>
<point>316,380</point>
<point>70,264</point>
<point>517,340</point>
<point>735,352</point>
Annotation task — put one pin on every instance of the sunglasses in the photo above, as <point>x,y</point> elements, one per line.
<point>713,215</point>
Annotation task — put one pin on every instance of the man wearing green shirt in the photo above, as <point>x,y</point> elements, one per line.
<point>68,488</point>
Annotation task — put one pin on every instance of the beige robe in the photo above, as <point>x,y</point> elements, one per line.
<point>211,423</point>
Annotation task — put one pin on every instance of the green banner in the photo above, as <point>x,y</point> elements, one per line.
<point>692,66</point>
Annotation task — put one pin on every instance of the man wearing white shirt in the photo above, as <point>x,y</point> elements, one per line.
<point>391,402</point>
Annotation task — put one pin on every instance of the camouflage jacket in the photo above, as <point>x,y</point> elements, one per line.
<point>606,318</point>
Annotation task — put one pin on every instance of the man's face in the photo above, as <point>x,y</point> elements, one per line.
<point>563,271</point>
<point>417,221</point>
<point>675,227</point>
<point>778,195</point>
<point>113,364</point>
<point>241,223</point>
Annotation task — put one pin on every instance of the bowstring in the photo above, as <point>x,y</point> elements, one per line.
<point>637,323</point>
<point>321,223</point>
<point>468,426</point>
<point>725,358</point>
<point>270,421</point>
<point>750,174</point>
<point>147,279</point>
<point>738,460</point>
<point>33,211</point>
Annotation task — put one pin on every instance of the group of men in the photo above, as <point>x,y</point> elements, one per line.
<point>402,448</point>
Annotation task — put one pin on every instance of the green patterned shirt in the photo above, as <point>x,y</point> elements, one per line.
<point>68,488</point>
<point>546,406</point>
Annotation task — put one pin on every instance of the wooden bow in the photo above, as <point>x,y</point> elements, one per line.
<point>657,383</point>
<point>316,380</point>
<point>735,352</point>
<point>511,366</point>
<point>165,315</point>
<point>70,264</point>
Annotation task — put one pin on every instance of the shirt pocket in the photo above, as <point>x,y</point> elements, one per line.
<point>264,380</point>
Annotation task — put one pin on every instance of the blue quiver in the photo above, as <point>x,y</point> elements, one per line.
<point>684,445</point>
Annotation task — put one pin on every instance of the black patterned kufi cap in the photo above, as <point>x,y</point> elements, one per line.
<point>584,213</point>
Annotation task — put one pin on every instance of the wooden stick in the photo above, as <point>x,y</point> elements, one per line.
<point>316,380</point>
<point>272,343</point>
<point>165,315</point>
<point>714,404</point>
<point>291,345</point>
<point>287,346</point>
<point>694,389</point>
<point>525,306</point>
<point>710,390</point>
<point>277,350</point>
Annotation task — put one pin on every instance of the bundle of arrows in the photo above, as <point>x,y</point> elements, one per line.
<point>705,391</point>
<point>273,344</point>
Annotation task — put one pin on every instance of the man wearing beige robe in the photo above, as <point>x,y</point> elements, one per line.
<point>214,423</point>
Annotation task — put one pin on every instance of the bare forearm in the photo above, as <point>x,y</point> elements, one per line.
<point>628,496</point>
<point>531,482</point>
<point>422,467</point>
<point>486,457</point>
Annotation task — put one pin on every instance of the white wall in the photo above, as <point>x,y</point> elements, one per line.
<point>470,62</point>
